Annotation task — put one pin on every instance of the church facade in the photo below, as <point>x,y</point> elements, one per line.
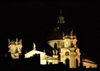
<point>65,49</point>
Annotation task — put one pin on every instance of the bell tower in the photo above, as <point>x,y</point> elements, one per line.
<point>70,54</point>
<point>15,48</point>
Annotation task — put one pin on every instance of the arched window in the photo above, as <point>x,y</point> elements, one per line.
<point>67,63</point>
<point>76,63</point>
<point>55,46</point>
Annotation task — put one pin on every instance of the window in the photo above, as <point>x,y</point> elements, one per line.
<point>55,46</point>
<point>67,63</point>
<point>76,63</point>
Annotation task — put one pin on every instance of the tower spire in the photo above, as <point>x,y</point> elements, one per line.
<point>71,33</point>
<point>61,18</point>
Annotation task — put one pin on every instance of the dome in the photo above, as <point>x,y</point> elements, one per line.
<point>60,28</point>
<point>57,32</point>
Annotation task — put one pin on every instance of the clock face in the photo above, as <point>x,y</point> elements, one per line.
<point>67,43</point>
<point>66,53</point>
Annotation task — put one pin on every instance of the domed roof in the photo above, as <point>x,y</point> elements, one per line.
<point>60,28</point>
<point>57,32</point>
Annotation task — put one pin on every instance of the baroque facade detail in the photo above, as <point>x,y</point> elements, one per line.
<point>15,48</point>
<point>65,49</point>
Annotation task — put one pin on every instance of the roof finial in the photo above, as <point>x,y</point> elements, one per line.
<point>34,46</point>
<point>71,33</point>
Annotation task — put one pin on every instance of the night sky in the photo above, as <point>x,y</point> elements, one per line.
<point>32,21</point>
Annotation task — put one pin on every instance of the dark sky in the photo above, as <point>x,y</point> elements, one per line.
<point>32,20</point>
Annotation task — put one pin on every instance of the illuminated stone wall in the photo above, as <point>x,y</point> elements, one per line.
<point>88,63</point>
<point>68,50</point>
<point>15,48</point>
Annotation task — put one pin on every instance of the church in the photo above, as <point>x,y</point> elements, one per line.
<point>63,41</point>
